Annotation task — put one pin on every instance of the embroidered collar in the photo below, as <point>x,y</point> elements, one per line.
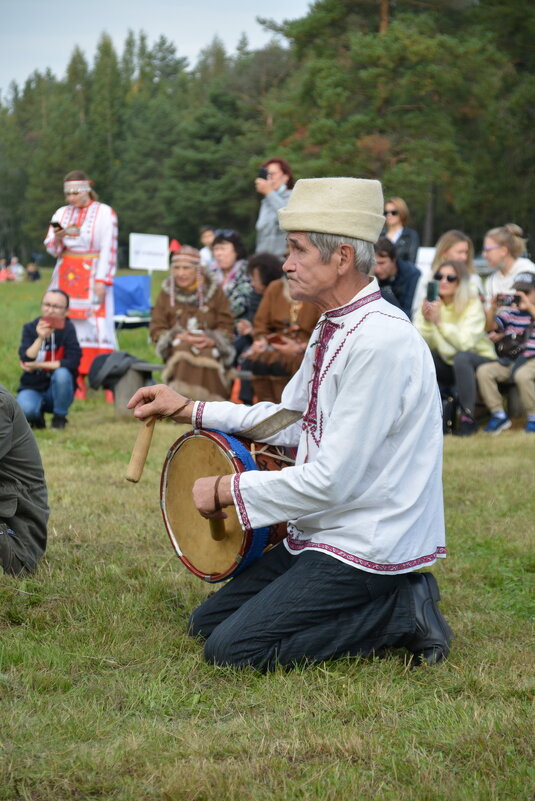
<point>366,295</point>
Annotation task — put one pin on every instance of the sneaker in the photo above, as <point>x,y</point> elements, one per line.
<point>530,427</point>
<point>58,421</point>
<point>466,428</point>
<point>497,424</point>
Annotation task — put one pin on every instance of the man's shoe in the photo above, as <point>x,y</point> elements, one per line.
<point>497,424</point>
<point>39,422</point>
<point>58,421</point>
<point>432,639</point>
<point>530,427</point>
<point>466,428</point>
<point>9,560</point>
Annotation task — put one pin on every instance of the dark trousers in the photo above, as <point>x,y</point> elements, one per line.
<point>462,375</point>
<point>287,609</point>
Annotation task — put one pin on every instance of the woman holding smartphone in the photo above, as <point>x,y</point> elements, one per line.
<point>453,326</point>
<point>274,182</point>
<point>82,235</point>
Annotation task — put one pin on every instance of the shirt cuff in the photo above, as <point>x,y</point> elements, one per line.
<point>239,503</point>
<point>196,415</point>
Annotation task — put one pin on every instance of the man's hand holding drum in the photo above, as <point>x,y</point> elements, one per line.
<point>210,495</point>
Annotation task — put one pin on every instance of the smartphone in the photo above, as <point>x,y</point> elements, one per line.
<point>275,339</point>
<point>57,323</point>
<point>56,225</point>
<point>432,291</point>
<point>263,173</point>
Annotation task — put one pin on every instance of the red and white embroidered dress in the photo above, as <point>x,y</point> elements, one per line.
<point>84,259</point>
<point>367,484</point>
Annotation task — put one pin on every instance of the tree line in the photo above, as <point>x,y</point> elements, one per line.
<point>436,99</point>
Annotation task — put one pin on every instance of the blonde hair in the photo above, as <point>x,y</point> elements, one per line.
<point>447,241</point>
<point>463,294</point>
<point>400,205</point>
<point>510,236</point>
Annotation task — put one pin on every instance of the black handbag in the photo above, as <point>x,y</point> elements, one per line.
<point>512,345</point>
<point>450,406</point>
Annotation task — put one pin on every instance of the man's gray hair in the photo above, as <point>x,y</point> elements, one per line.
<point>327,244</point>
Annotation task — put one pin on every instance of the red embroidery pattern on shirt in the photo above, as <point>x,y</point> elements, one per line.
<point>239,501</point>
<point>343,310</point>
<point>328,328</point>
<point>198,414</point>
<point>301,545</point>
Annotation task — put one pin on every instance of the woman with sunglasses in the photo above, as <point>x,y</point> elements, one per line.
<point>405,239</point>
<point>82,235</point>
<point>454,328</point>
<point>458,246</point>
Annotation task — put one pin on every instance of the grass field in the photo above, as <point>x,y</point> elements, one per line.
<point>102,696</point>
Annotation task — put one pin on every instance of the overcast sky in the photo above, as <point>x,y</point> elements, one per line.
<point>36,34</point>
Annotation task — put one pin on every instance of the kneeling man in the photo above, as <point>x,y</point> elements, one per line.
<point>364,499</point>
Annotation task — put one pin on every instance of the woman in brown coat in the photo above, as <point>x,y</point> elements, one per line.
<point>282,328</point>
<point>192,329</point>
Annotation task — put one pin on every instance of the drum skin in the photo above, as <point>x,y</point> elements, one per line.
<point>201,453</point>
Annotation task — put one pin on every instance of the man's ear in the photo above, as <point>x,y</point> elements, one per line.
<point>346,258</point>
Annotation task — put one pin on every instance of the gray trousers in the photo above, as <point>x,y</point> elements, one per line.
<point>287,610</point>
<point>462,375</point>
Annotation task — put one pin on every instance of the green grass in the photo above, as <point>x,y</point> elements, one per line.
<point>102,695</point>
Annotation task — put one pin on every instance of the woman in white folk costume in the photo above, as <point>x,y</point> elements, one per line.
<point>83,237</point>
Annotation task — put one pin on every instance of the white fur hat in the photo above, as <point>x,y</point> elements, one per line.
<point>344,206</point>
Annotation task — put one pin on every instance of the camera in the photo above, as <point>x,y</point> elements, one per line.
<point>508,300</point>
<point>56,323</point>
<point>263,173</point>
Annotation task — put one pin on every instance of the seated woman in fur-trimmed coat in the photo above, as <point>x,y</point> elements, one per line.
<point>192,329</point>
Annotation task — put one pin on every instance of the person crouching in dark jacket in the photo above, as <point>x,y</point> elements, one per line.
<point>49,355</point>
<point>400,276</point>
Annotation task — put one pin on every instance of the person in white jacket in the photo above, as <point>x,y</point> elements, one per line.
<point>364,500</point>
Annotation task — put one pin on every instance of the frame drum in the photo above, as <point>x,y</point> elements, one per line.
<point>202,453</point>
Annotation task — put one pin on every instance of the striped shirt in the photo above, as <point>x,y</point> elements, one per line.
<point>515,321</point>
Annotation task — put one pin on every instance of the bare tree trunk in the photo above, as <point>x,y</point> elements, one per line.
<point>383,16</point>
<point>428,236</point>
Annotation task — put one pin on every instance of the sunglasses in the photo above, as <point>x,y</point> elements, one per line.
<point>451,279</point>
<point>394,212</point>
<point>225,232</point>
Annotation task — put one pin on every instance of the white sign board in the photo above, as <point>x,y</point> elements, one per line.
<point>148,252</point>
<point>424,259</point>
